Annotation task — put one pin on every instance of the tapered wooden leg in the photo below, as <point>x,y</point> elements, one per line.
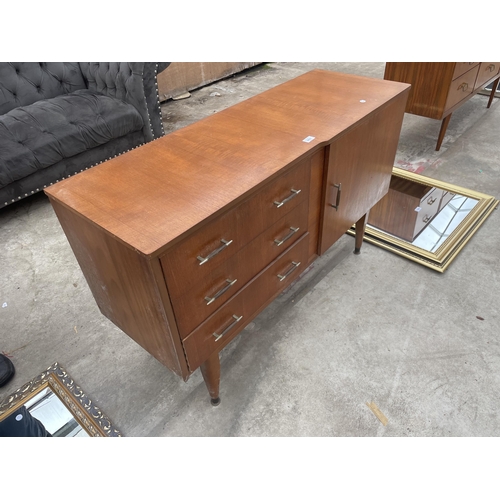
<point>493,90</point>
<point>360,232</point>
<point>210,370</point>
<point>444,126</point>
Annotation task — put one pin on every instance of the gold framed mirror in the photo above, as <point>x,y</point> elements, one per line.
<point>53,400</point>
<point>426,220</point>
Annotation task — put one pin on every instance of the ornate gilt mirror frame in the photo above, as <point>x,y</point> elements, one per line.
<point>440,259</point>
<point>91,419</point>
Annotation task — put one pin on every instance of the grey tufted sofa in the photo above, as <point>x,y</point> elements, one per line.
<point>57,119</point>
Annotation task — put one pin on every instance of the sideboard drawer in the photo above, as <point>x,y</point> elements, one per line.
<point>206,296</point>
<point>433,197</point>
<point>220,328</point>
<point>463,67</point>
<point>487,71</point>
<point>198,255</point>
<point>461,87</point>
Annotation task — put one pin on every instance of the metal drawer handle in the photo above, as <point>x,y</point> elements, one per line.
<point>220,292</point>
<point>431,201</point>
<point>427,218</point>
<point>220,335</point>
<point>295,192</point>
<point>293,230</point>
<point>295,265</point>
<point>491,67</point>
<point>215,252</point>
<point>339,192</point>
<point>464,86</point>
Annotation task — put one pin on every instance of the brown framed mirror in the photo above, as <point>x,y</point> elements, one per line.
<point>426,220</point>
<point>55,406</point>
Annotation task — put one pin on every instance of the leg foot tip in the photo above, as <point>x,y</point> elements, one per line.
<point>357,251</point>
<point>215,401</point>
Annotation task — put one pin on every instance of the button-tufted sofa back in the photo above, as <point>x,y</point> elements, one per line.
<point>112,78</point>
<point>24,83</point>
<point>126,81</point>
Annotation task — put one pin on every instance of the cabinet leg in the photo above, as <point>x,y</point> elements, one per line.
<point>210,370</point>
<point>360,232</point>
<point>442,131</point>
<point>493,90</point>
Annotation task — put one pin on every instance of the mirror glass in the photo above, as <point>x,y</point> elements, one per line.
<point>52,405</point>
<point>426,220</point>
<point>51,412</point>
<point>446,220</point>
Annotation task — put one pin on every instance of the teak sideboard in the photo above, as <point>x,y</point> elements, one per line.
<point>440,88</point>
<point>183,241</point>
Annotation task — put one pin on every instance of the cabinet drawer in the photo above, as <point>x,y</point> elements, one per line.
<point>463,67</point>
<point>424,217</point>
<point>461,88</point>
<point>220,328</point>
<point>223,237</point>
<point>433,197</point>
<point>487,71</point>
<point>206,296</point>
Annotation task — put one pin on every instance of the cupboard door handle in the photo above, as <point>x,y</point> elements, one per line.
<point>491,67</point>
<point>295,192</point>
<point>431,201</point>
<point>427,218</point>
<point>220,335</point>
<point>221,291</point>
<point>293,230</point>
<point>464,86</point>
<point>214,253</point>
<point>295,265</point>
<point>339,192</point>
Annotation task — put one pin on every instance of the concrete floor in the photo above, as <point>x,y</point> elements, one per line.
<point>354,330</point>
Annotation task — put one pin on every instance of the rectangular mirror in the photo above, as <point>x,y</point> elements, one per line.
<point>426,220</point>
<point>52,405</point>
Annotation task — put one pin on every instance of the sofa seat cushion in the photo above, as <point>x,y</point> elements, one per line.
<point>39,135</point>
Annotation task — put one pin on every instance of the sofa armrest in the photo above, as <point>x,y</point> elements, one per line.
<point>132,82</point>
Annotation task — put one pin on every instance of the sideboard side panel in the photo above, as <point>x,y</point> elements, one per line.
<point>124,287</point>
<point>430,83</point>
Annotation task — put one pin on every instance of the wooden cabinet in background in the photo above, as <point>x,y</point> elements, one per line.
<point>439,88</point>
<point>184,240</point>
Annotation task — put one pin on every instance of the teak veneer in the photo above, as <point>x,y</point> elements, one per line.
<point>440,88</point>
<point>184,240</point>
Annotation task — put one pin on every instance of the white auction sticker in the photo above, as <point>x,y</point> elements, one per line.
<point>418,209</point>
<point>309,138</point>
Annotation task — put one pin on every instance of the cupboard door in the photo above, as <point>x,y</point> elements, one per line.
<point>359,170</point>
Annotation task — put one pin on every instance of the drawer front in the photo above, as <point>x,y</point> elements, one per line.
<point>463,67</point>
<point>424,217</point>
<point>197,256</point>
<point>206,296</point>
<point>487,71</point>
<point>220,328</point>
<point>461,88</point>
<point>433,197</point>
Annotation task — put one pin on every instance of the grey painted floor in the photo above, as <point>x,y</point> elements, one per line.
<point>354,330</point>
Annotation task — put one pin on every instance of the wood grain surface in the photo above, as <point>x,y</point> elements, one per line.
<point>158,193</point>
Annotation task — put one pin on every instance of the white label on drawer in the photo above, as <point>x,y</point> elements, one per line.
<point>418,209</point>
<point>309,138</point>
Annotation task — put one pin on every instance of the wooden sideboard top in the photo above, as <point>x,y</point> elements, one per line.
<point>154,194</point>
